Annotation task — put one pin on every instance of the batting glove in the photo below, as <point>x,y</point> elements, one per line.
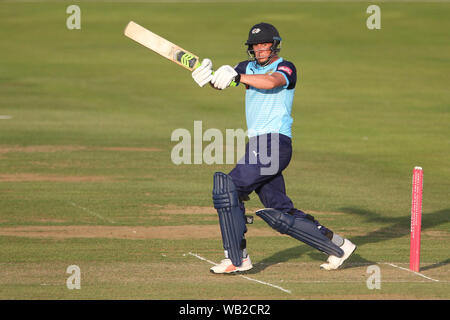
<point>203,73</point>
<point>223,77</point>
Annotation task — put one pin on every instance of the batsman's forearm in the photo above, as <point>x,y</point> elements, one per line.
<point>260,81</point>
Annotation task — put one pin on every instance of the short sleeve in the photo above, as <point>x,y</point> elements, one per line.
<point>289,71</point>
<point>241,67</point>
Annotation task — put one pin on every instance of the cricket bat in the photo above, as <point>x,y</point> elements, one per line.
<point>163,47</point>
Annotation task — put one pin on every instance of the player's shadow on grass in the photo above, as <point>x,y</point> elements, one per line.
<point>280,257</point>
<point>298,251</point>
<point>436,265</point>
<point>397,227</point>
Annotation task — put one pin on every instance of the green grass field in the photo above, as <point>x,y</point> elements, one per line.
<point>86,176</point>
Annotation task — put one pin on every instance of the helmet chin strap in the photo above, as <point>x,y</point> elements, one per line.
<point>268,61</point>
<point>273,53</point>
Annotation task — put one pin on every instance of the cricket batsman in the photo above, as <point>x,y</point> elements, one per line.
<point>270,83</point>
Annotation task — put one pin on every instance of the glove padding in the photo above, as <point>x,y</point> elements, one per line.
<point>223,77</point>
<point>203,73</point>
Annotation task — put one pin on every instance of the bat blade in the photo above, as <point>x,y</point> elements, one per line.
<point>161,46</point>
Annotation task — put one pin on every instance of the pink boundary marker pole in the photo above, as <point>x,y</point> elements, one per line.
<point>416,219</point>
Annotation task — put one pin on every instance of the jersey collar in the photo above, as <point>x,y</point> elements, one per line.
<point>270,65</point>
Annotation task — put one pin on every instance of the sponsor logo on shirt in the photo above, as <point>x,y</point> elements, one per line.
<point>285,69</point>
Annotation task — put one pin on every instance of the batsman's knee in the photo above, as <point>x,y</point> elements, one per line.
<point>224,194</point>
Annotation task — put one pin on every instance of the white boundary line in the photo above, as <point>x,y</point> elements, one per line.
<point>242,276</point>
<point>417,273</point>
<point>266,283</point>
<point>91,212</point>
<point>201,258</point>
<point>288,291</point>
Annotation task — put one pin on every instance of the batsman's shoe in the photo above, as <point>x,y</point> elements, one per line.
<point>334,262</point>
<point>225,266</point>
